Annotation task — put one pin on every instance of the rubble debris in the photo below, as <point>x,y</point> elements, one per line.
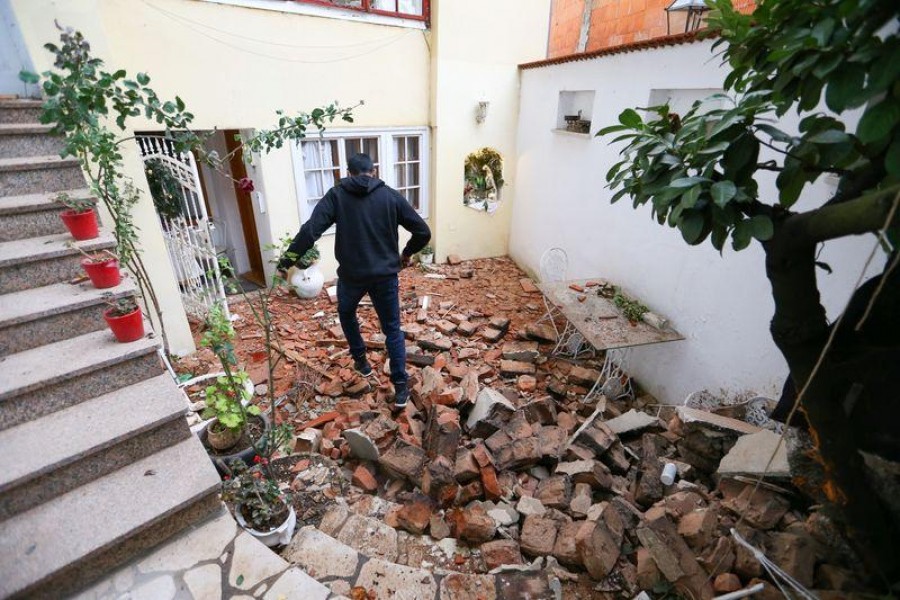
<point>752,453</point>
<point>496,455</point>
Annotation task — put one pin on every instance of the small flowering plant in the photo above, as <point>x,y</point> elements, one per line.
<point>256,495</point>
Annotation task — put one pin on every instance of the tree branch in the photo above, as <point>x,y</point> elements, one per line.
<point>865,214</point>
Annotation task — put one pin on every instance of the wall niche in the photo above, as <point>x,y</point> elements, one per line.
<point>483,180</point>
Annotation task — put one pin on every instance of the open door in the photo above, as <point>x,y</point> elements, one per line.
<point>256,273</point>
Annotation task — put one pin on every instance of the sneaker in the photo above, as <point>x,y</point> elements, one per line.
<point>362,366</point>
<point>401,396</point>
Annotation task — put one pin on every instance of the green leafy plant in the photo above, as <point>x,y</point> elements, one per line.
<point>165,189</point>
<point>631,309</point>
<point>120,307</point>
<point>78,205</point>
<point>262,504</point>
<point>483,176</point>
<point>309,258</point>
<point>699,172</point>
<point>225,401</point>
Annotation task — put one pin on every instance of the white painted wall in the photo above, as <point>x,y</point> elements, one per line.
<point>477,49</point>
<point>721,304</point>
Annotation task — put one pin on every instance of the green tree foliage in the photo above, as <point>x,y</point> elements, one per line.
<point>700,173</point>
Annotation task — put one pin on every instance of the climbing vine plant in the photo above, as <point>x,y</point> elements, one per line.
<point>91,107</point>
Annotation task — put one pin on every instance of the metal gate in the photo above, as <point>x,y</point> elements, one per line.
<point>186,226</point>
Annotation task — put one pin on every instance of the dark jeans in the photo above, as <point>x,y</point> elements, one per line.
<point>385,298</point>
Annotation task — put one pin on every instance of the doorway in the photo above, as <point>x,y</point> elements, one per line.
<point>233,215</point>
<point>255,272</point>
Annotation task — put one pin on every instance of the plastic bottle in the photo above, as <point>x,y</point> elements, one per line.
<point>668,474</point>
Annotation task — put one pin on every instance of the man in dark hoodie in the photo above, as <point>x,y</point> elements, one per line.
<point>366,213</point>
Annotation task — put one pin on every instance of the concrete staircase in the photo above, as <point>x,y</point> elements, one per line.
<point>99,463</point>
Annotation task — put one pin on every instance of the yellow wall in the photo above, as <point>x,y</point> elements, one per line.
<point>234,67</point>
<point>477,48</point>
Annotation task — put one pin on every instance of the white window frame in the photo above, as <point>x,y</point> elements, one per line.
<point>334,12</point>
<point>386,162</point>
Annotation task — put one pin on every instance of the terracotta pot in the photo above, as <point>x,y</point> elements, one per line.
<point>82,225</point>
<point>126,328</point>
<point>103,274</point>
<point>221,437</point>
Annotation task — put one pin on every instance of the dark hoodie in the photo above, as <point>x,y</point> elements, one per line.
<point>367,214</point>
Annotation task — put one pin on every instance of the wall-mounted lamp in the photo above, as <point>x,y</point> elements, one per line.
<point>481,111</point>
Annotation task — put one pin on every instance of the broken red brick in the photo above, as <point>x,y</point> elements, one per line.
<point>364,478</point>
<point>538,536</point>
<point>501,552</point>
<point>415,516</point>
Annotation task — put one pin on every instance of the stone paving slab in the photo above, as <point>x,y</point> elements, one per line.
<point>205,562</point>
<point>390,580</point>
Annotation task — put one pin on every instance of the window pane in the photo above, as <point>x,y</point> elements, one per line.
<point>351,145</point>
<point>311,156</point>
<point>410,7</point>
<point>412,171</point>
<point>413,143</point>
<point>412,194</point>
<point>314,184</point>
<point>335,157</point>
<point>370,146</point>
<point>400,174</point>
<point>400,148</point>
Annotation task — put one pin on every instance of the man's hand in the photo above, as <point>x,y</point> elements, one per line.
<point>405,261</point>
<point>282,275</point>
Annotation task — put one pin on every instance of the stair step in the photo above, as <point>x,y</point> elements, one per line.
<point>44,315</point>
<point>45,260</point>
<point>35,174</point>
<point>89,440</point>
<point>19,140</point>
<point>20,111</point>
<point>34,215</point>
<point>61,545</point>
<point>43,380</point>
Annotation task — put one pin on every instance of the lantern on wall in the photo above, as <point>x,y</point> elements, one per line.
<point>694,9</point>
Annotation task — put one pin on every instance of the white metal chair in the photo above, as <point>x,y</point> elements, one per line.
<point>554,267</point>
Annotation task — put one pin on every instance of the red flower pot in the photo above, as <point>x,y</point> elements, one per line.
<point>126,328</point>
<point>82,225</point>
<point>103,274</point>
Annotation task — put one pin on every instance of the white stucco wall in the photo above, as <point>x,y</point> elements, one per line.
<point>721,304</point>
<point>477,49</point>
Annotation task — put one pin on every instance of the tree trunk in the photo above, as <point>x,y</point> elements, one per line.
<point>800,329</point>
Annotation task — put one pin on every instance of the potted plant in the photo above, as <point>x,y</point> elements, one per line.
<point>426,255</point>
<point>102,269</point>
<point>260,506</point>
<point>125,319</point>
<point>80,218</point>
<point>236,423</point>
<point>227,404</point>
<point>307,280</point>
